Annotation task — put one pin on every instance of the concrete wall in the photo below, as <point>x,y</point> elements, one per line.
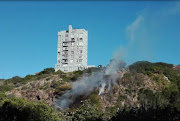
<point>72,50</point>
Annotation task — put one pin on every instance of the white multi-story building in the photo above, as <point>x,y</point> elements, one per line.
<point>72,50</point>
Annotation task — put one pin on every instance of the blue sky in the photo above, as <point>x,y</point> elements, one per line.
<point>137,30</point>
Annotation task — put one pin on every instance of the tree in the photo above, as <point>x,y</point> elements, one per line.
<point>16,109</point>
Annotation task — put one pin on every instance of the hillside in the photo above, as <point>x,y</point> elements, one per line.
<point>142,90</point>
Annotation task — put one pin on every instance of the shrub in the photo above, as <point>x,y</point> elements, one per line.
<point>62,88</point>
<point>59,72</point>
<point>148,68</point>
<point>47,71</point>
<point>87,112</point>
<point>15,109</point>
<point>6,87</point>
<point>2,95</point>
<point>94,99</point>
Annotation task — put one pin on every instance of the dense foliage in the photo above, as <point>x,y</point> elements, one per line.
<point>15,109</point>
<point>150,114</point>
<point>150,69</point>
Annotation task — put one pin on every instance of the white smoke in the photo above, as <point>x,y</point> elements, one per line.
<point>132,28</point>
<point>139,44</point>
<point>101,90</point>
<point>86,85</point>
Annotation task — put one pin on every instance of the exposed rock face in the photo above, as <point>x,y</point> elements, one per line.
<point>35,91</point>
<point>177,69</point>
<point>127,87</point>
<point>41,90</point>
<point>46,96</point>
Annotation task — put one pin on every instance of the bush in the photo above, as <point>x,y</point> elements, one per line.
<point>6,87</point>
<point>15,80</point>
<point>62,89</point>
<point>59,72</point>
<point>87,112</point>
<point>164,64</point>
<point>149,69</point>
<point>47,71</point>
<point>16,109</point>
<point>2,95</point>
<point>141,114</point>
<point>76,75</point>
<point>94,99</point>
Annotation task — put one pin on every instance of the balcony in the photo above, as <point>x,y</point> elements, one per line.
<point>65,44</point>
<point>65,53</point>
<point>64,61</point>
<point>65,48</point>
<point>64,57</point>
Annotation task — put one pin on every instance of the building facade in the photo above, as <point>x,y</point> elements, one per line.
<point>72,50</point>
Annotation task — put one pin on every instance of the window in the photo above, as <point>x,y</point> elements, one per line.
<point>66,35</point>
<point>64,64</point>
<point>81,47</point>
<point>80,56</point>
<point>58,61</point>
<point>80,35</point>
<point>65,52</point>
<point>65,44</point>
<point>72,52</point>
<point>71,61</point>
<point>72,36</point>
<point>80,60</point>
<point>81,39</point>
<point>72,56</point>
<point>65,48</point>
<point>72,39</point>
<point>80,43</point>
<point>80,51</point>
<point>72,43</point>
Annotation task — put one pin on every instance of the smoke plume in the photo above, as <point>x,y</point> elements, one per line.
<point>101,90</point>
<point>85,85</point>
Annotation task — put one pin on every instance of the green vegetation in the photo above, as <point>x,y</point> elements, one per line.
<point>2,96</point>
<point>16,109</point>
<point>87,112</point>
<point>169,93</point>
<point>75,75</point>
<point>47,71</point>
<point>150,69</point>
<point>159,72</point>
<point>62,89</point>
<point>95,99</point>
<point>162,102</point>
<point>141,114</point>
